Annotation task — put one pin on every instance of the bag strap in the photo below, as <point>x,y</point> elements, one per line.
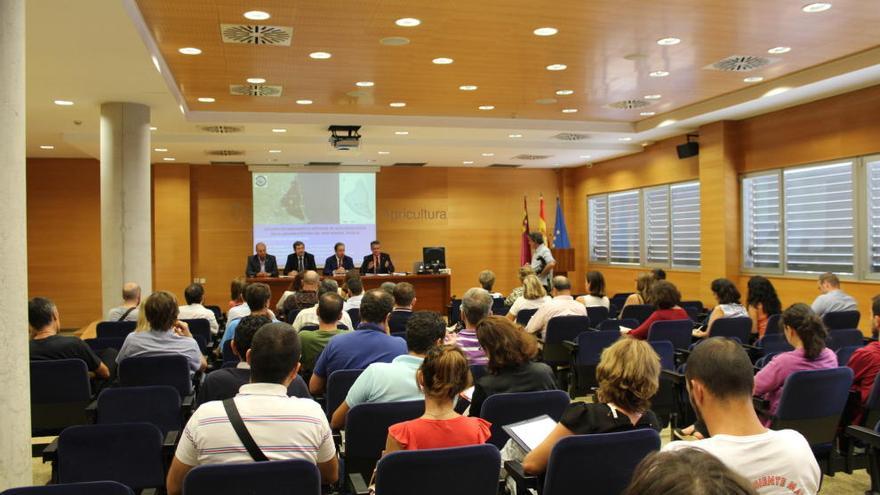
<point>242,431</point>
<point>125,315</point>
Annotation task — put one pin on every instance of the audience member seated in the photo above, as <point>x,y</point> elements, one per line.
<point>295,286</point>
<point>658,274</point>
<point>443,375</point>
<point>762,303</point>
<point>369,344</point>
<point>388,287</point>
<point>510,368</point>
<point>329,313</point>
<point>256,297</point>
<point>832,298</point>
<point>533,297</point>
<point>720,381</point>
<point>476,304</point>
<point>46,345</point>
<point>237,307</point>
<point>354,292</point>
<point>629,376</point>
<point>131,297</point>
<point>404,295</point>
<point>516,293</point>
<point>805,331</point>
<point>194,310</point>
<point>666,297</point>
<point>304,298</point>
<point>224,383</point>
<point>309,316</point>
<point>167,334</point>
<point>642,295</point>
<point>395,381</point>
<point>487,282</point>
<point>728,298</point>
<point>562,304</point>
<point>865,363</point>
<point>210,438</point>
<point>686,472</point>
<point>595,291</point>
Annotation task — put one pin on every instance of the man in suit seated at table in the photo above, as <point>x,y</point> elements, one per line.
<point>299,260</point>
<point>261,264</point>
<point>339,263</point>
<point>378,262</point>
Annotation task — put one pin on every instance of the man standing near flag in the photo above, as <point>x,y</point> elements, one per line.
<point>542,259</point>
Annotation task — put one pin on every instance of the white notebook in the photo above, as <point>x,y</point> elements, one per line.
<point>530,433</point>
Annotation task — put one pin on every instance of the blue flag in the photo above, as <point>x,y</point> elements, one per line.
<point>560,233</point>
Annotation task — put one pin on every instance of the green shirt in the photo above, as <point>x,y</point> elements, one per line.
<point>313,342</point>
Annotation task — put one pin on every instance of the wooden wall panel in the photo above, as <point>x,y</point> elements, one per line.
<point>172,268</point>
<point>64,236</point>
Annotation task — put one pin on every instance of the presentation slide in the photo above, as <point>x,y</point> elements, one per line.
<point>319,209</point>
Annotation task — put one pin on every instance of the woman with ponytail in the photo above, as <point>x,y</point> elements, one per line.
<point>805,331</point>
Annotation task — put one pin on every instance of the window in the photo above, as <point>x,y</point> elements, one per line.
<point>685,214</point>
<point>761,200</point>
<point>598,208</point>
<point>623,227</point>
<point>657,225</point>
<point>873,182</point>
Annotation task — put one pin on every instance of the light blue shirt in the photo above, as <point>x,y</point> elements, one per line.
<point>835,300</point>
<point>229,333</point>
<point>387,382</point>
<point>161,343</point>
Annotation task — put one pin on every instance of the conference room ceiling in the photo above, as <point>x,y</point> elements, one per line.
<point>127,50</point>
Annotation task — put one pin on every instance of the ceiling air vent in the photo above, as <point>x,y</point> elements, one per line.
<point>410,164</point>
<point>222,129</point>
<point>244,34</point>
<point>505,165</point>
<point>323,164</point>
<point>740,63</point>
<point>224,152</point>
<point>571,136</point>
<point>628,104</point>
<point>526,156</point>
<point>254,90</point>
<point>227,163</point>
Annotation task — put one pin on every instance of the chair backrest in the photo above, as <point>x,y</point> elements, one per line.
<point>366,431</point>
<point>355,315</point>
<point>228,355</point>
<point>169,369</point>
<point>812,402</point>
<point>846,352</point>
<point>87,488</point>
<point>101,343</point>
<point>218,314</point>
<point>773,325</point>
<point>338,384</point>
<point>290,317</point>
<point>693,308</point>
<point>732,328</point>
<point>841,319</point>
<point>678,332</point>
<point>505,409</point>
<point>129,453</point>
<point>475,469</point>
<point>560,329</point>
<point>309,328</point>
<point>454,311</point>
<point>774,343</point>
<point>288,477</point>
<point>872,405</point>
<point>591,345</point>
<point>200,329</point>
<point>524,315</point>
<point>839,338</point>
<point>155,404</point>
<point>498,306</point>
<point>619,299</point>
<point>597,314</point>
<point>604,462</point>
<point>640,312</point>
<point>60,392</point>
<point>115,328</point>
<point>664,349</point>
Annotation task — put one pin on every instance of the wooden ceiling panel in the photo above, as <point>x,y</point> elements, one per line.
<point>493,47</point>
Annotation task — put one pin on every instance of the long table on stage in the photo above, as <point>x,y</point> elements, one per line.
<point>432,291</point>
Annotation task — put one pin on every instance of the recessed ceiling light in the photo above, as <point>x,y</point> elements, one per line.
<point>812,8</point>
<point>279,130</point>
<point>160,150</point>
<point>648,114</point>
<point>442,61</point>
<point>154,128</point>
<point>384,152</point>
<point>274,151</point>
<point>467,162</point>
<point>667,122</point>
<point>753,79</point>
<point>365,84</point>
<point>303,102</point>
<point>206,99</point>
<point>397,104</point>
<point>514,136</point>
<point>169,159</point>
<point>63,103</point>
<point>401,133</point>
<point>557,67</point>
<point>486,107</point>
<point>46,147</point>
<point>668,41</point>
<point>256,80</point>
<point>257,15</point>
<point>488,154</point>
<point>545,31</point>
<point>189,50</point>
<point>468,87</point>
<point>659,73</point>
<point>653,97</point>
<point>776,91</point>
<point>565,92</point>
<point>408,22</point>
<point>779,50</point>
<point>569,110</point>
<point>320,55</point>
<point>585,157</point>
<point>625,139</point>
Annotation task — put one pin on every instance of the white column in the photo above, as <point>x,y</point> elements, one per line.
<point>126,211</point>
<point>15,418</point>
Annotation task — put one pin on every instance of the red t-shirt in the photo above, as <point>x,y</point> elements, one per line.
<point>865,364</point>
<point>659,315</point>
<point>423,433</point>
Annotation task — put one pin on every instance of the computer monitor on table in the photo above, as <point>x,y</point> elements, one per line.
<point>434,257</point>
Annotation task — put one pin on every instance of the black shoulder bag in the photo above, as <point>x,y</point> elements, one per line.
<point>241,430</point>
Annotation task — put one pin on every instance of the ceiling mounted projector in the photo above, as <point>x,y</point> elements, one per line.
<point>344,137</point>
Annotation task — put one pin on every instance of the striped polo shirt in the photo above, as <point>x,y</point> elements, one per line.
<point>283,427</point>
<point>467,341</point>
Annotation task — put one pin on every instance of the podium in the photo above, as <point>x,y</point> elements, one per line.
<point>564,260</point>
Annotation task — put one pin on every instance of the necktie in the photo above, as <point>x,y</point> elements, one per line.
<point>300,263</point>
<point>339,263</point>
<point>376,264</point>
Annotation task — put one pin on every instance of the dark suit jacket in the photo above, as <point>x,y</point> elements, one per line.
<point>385,264</point>
<point>398,319</point>
<point>292,262</point>
<point>330,264</point>
<point>253,266</point>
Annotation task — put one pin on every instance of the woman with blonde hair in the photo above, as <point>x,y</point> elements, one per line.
<point>629,375</point>
<point>642,295</point>
<point>534,296</point>
<point>516,293</point>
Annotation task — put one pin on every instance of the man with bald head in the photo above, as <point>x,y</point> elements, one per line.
<point>131,297</point>
<point>306,297</point>
<point>261,264</point>
<point>562,304</point>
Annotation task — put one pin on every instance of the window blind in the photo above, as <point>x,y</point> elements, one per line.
<point>623,227</point>
<point>761,219</point>
<point>598,208</point>
<point>873,172</point>
<point>656,215</point>
<point>685,213</point>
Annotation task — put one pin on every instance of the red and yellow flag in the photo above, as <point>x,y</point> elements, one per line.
<point>525,253</point>
<point>542,220</point>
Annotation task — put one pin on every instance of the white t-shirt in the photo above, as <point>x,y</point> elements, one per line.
<point>776,462</point>
<point>591,301</point>
<point>309,316</point>
<point>522,303</point>
<point>198,312</point>
<point>239,311</point>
